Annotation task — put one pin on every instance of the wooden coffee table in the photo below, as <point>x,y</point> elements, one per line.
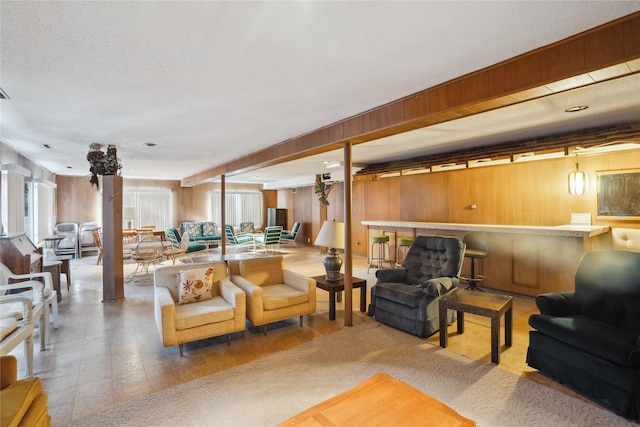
<point>380,401</point>
<point>482,304</point>
<point>336,286</point>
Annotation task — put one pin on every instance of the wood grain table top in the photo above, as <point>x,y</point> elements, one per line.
<point>380,401</point>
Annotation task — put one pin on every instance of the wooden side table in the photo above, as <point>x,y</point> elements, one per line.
<point>336,286</point>
<point>482,304</point>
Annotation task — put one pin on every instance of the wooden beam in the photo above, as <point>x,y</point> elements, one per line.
<point>515,80</point>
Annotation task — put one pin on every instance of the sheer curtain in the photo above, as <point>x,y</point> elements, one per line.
<point>239,207</point>
<point>151,207</point>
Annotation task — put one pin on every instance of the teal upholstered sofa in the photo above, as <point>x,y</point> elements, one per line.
<point>589,339</point>
<point>202,231</point>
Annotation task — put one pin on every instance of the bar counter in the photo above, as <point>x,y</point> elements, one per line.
<point>526,260</point>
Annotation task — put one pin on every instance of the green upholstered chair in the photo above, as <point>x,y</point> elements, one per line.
<point>190,247</point>
<point>291,237</point>
<point>270,239</point>
<point>237,241</point>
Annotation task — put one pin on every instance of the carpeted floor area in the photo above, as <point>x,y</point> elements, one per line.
<point>269,390</point>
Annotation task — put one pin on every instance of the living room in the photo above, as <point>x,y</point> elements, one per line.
<point>105,355</point>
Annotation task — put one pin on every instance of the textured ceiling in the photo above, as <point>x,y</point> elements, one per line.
<point>209,82</point>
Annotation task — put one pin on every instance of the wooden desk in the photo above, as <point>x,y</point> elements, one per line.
<point>380,401</point>
<point>482,304</point>
<point>336,286</point>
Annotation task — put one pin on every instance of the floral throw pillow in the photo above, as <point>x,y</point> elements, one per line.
<point>195,285</point>
<point>194,230</point>
<point>209,229</point>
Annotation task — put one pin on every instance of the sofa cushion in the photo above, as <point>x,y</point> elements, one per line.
<point>194,229</point>
<point>209,229</point>
<point>13,309</point>
<point>7,325</point>
<point>279,296</point>
<point>195,285</point>
<point>202,313</point>
<point>609,342</point>
<point>401,293</point>
<point>263,271</point>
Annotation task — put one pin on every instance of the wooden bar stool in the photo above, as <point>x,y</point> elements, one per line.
<point>382,248</point>
<point>477,247</point>
<point>404,243</point>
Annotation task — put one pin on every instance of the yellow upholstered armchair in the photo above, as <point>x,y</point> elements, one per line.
<point>24,402</point>
<point>196,301</point>
<point>273,293</point>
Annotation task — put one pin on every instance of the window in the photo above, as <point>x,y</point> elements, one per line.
<point>150,207</point>
<point>239,207</point>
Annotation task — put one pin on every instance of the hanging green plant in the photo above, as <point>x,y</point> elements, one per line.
<point>101,163</point>
<point>322,190</point>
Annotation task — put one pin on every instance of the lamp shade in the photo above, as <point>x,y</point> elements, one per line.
<point>578,182</point>
<point>128,213</point>
<point>331,235</point>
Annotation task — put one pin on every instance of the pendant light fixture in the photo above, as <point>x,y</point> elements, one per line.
<point>578,181</point>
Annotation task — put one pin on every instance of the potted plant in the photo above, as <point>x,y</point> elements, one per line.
<point>101,163</point>
<point>322,190</point>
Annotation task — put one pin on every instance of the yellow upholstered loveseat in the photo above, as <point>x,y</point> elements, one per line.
<point>23,402</point>
<point>273,293</point>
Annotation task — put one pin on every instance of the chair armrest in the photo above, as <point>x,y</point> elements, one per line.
<point>8,371</point>
<point>302,283</point>
<point>27,312</point>
<point>394,275</point>
<point>237,298</point>
<point>48,279</point>
<point>232,294</point>
<point>165,313</point>
<point>559,303</point>
<point>38,289</point>
<point>253,293</point>
<point>299,281</point>
<point>440,285</point>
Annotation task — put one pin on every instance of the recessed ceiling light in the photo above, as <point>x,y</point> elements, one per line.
<point>576,108</point>
<point>150,144</point>
<point>69,167</point>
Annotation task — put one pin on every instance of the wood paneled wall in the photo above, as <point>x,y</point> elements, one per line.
<point>527,193</point>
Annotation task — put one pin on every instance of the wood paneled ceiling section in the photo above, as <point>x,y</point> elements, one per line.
<point>565,144</point>
<point>605,52</point>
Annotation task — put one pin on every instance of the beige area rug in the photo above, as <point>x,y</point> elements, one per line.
<point>272,389</point>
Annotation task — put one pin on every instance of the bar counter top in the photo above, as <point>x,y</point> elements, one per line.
<point>560,230</point>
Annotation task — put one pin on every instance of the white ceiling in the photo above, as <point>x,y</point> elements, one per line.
<point>209,82</point>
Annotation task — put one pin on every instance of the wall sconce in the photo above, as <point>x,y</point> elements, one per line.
<point>578,181</point>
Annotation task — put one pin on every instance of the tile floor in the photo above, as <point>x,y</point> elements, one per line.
<point>107,353</point>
